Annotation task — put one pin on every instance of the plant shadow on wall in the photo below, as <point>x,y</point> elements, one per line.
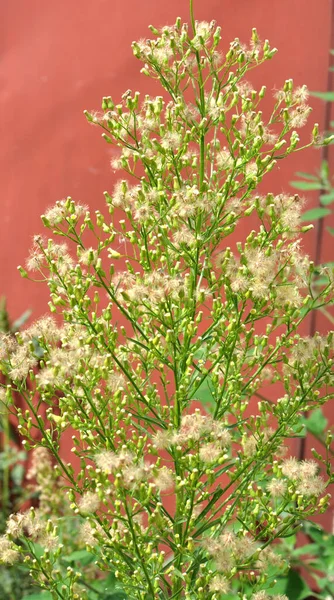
<point>174,499</point>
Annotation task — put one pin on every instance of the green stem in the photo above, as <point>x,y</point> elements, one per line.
<point>250,472</point>
<point>49,443</point>
<point>5,478</point>
<point>137,549</point>
<point>192,18</point>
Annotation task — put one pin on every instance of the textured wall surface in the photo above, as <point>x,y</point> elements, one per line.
<point>58,58</point>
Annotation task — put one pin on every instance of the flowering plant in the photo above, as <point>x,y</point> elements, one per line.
<point>12,472</point>
<point>178,500</point>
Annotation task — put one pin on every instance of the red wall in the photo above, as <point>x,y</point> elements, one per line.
<point>59,58</point>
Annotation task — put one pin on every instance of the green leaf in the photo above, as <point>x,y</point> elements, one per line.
<point>329,265</point>
<point>321,280</point>
<point>21,320</point>
<point>316,423</point>
<point>204,394</point>
<point>290,541</point>
<point>330,230</point>
<point>314,531</point>
<point>297,588</point>
<point>201,353</point>
<point>307,185</point>
<point>315,213</point>
<point>17,474</point>
<point>307,176</point>
<point>324,171</point>
<point>327,96</point>
<point>38,350</point>
<point>108,589</point>
<point>310,549</point>
<point>81,556</point>
<point>327,198</point>
<point>293,586</point>
<point>178,574</point>
<point>38,596</point>
<point>115,596</point>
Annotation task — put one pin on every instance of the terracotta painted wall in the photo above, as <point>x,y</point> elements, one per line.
<point>58,58</point>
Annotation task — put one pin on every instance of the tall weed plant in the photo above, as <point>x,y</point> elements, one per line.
<point>176,499</point>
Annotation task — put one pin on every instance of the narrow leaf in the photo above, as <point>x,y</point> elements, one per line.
<point>307,176</point>
<point>327,198</point>
<point>307,185</point>
<point>327,96</point>
<point>204,394</point>
<point>315,213</point>
<point>81,556</point>
<point>321,281</point>
<point>38,596</point>
<point>293,586</point>
<point>310,549</point>
<point>17,474</point>
<point>21,320</point>
<point>316,423</point>
<point>324,170</point>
